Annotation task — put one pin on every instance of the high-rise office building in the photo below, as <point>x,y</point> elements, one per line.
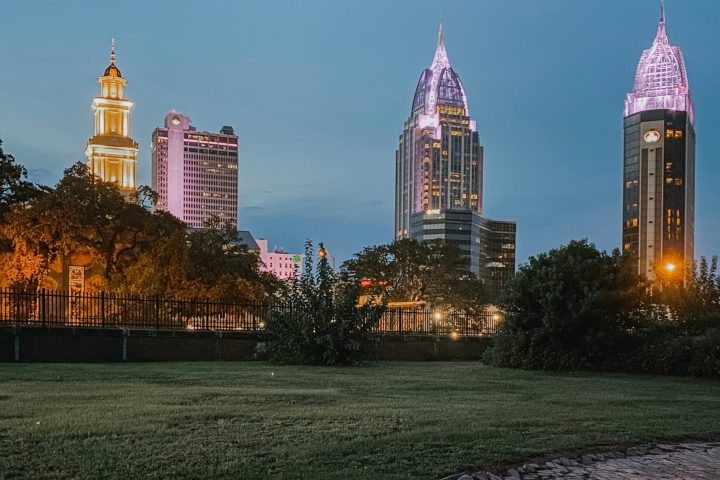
<point>111,152</point>
<point>659,162</point>
<point>439,161</point>
<point>195,173</point>
<point>439,176</point>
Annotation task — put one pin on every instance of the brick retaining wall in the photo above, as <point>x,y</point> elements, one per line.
<point>66,344</point>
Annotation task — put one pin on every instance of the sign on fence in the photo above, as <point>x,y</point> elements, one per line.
<point>76,284</point>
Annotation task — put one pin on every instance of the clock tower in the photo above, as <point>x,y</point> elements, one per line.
<point>111,152</point>
<point>659,164</point>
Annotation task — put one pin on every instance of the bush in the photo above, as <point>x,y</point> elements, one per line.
<point>320,322</point>
<point>569,308</point>
<point>663,351</point>
<point>578,308</point>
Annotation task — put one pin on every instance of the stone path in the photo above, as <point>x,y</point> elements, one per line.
<point>690,461</point>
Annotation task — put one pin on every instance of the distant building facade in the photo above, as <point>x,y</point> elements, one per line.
<point>111,152</point>
<point>280,263</point>
<point>246,238</point>
<point>195,173</point>
<point>490,243</point>
<point>659,162</point>
<point>439,176</point>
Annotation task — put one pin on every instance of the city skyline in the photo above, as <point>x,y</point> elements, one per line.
<point>519,137</point>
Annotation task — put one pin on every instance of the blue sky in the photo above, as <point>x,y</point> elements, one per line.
<point>318,92</point>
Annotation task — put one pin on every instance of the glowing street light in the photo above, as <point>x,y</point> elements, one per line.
<point>438,316</point>
<point>670,267</point>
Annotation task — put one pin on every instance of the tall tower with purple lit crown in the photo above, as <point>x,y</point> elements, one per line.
<point>659,162</point>
<point>439,176</point>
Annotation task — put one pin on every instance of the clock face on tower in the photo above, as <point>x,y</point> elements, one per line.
<point>175,121</point>
<point>652,136</point>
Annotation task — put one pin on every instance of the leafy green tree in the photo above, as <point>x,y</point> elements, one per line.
<point>406,270</point>
<point>14,187</point>
<point>319,322</point>
<point>571,307</point>
<point>81,213</point>
<point>693,304</point>
<point>140,251</point>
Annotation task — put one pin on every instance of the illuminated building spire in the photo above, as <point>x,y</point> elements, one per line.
<point>661,32</point>
<point>441,38</point>
<point>111,152</point>
<point>661,80</point>
<point>439,84</point>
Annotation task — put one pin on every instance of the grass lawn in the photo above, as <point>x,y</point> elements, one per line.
<point>385,421</point>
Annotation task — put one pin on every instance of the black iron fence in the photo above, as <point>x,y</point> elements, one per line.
<point>108,310</point>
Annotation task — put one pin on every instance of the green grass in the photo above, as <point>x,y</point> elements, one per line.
<point>384,421</point>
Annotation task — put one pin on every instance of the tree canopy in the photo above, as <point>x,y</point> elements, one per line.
<point>569,307</point>
<point>437,272</point>
<point>138,250</point>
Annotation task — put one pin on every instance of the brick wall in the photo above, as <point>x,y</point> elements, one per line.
<point>56,344</point>
<point>428,347</point>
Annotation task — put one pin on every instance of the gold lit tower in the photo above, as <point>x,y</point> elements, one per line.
<point>111,152</point>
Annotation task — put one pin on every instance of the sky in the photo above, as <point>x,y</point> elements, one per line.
<point>318,92</point>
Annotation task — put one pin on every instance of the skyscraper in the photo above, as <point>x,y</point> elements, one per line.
<point>659,162</point>
<point>195,173</point>
<point>439,176</point>
<point>111,153</point>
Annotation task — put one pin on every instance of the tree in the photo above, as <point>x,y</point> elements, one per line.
<point>14,187</point>
<point>571,307</point>
<point>319,322</point>
<point>693,304</point>
<point>81,213</point>
<point>406,270</point>
<point>139,251</point>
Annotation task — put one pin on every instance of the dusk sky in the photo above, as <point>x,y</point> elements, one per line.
<point>318,92</point>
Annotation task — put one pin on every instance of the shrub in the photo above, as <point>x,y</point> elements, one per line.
<point>664,351</point>
<point>319,322</point>
<point>569,308</point>
<point>578,308</point>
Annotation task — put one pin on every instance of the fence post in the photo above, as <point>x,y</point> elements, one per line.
<point>42,306</point>
<point>400,325</point>
<point>254,316</point>
<point>102,309</point>
<point>207,312</point>
<point>157,312</point>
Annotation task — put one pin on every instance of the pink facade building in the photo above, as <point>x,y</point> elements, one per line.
<point>278,262</point>
<point>195,173</point>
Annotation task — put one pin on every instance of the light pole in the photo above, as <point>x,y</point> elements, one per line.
<point>323,253</point>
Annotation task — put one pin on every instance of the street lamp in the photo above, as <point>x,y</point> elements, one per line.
<point>670,267</point>
<point>323,253</point>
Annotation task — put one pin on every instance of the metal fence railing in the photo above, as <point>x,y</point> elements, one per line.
<point>108,310</point>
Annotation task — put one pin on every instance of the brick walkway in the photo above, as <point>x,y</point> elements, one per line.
<point>691,461</point>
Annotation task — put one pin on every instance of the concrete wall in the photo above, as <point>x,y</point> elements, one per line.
<point>64,344</point>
